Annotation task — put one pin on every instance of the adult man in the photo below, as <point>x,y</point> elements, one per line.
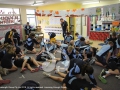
<point>27,29</point>
<point>9,37</point>
<point>64,26</point>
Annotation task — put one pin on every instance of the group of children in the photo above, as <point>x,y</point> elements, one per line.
<point>81,58</point>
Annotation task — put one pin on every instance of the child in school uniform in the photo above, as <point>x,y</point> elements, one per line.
<point>9,37</point>
<point>48,48</point>
<point>118,43</point>
<point>77,69</point>
<point>113,39</point>
<point>68,38</point>
<point>52,36</point>
<point>80,42</point>
<point>29,44</point>
<point>104,54</point>
<point>112,69</point>
<point>42,46</point>
<point>78,36</point>
<point>71,52</point>
<point>89,53</point>
<point>6,61</point>
<point>27,62</point>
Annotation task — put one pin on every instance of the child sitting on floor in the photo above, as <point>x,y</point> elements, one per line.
<point>27,62</point>
<point>68,38</point>
<point>100,55</point>
<point>112,69</point>
<point>6,61</point>
<point>118,43</point>
<point>29,44</point>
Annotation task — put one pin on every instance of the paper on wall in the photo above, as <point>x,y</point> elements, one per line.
<point>78,20</point>
<point>78,29</point>
<point>84,34</point>
<point>99,22</point>
<point>83,21</point>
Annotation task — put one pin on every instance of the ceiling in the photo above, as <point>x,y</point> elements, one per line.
<point>30,2</point>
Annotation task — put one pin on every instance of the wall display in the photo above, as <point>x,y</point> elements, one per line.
<point>57,30</point>
<point>5,28</point>
<point>100,11</point>
<point>55,20</point>
<point>9,16</point>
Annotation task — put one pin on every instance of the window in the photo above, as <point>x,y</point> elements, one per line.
<point>9,16</point>
<point>31,18</point>
<point>28,11</point>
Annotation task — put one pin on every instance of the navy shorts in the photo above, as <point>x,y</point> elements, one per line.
<point>112,65</point>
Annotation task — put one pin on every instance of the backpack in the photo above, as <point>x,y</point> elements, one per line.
<point>30,85</point>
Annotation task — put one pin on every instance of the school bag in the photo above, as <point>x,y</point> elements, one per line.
<point>30,85</point>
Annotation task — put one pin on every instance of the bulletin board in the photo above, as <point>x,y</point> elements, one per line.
<point>6,28</point>
<point>55,20</point>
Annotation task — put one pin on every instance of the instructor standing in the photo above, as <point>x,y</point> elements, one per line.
<point>64,26</point>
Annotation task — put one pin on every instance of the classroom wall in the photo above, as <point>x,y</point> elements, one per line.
<point>102,3</point>
<point>58,6</point>
<point>61,6</point>
<point>22,11</point>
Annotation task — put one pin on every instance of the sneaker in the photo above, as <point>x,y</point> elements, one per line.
<point>103,73</point>
<point>117,76</point>
<point>103,80</point>
<point>46,74</point>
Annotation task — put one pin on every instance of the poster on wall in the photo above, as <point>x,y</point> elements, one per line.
<point>55,20</point>
<point>6,28</point>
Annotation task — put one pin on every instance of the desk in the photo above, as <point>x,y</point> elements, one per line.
<point>99,35</point>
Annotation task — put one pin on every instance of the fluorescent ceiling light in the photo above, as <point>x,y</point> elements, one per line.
<point>84,3</point>
<point>37,4</point>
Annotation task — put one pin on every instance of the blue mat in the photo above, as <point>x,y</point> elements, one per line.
<point>101,44</point>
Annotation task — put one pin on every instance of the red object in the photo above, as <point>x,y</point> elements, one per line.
<point>82,9</point>
<point>100,36</point>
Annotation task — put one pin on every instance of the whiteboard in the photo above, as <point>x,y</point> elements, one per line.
<point>55,20</point>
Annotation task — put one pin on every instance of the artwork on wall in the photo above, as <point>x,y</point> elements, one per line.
<point>5,28</point>
<point>55,20</point>
<point>98,11</point>
<point>57,30</point>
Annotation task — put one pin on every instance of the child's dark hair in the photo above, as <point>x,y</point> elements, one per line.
<point>32,35</point>
<point>76,34</point>
<point>114,34</point>
<point>82,39</point>
<point>14,30</point>
<point>86,68</point>
<point>68,33</point>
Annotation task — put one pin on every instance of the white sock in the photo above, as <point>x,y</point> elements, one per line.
<point>103,76</point>
<point>107,72</point>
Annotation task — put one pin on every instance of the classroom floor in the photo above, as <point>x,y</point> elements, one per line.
<point>49,84</point>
